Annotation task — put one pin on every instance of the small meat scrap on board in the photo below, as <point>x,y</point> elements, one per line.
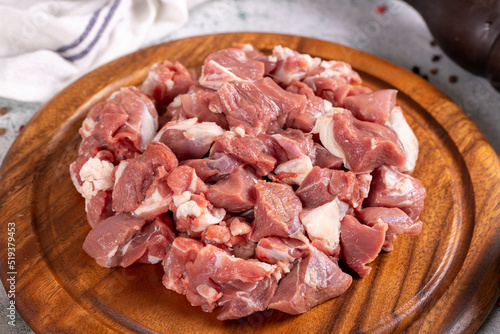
<point>251,183</point>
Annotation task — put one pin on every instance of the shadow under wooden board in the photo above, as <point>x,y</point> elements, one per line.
<point>446,279</point>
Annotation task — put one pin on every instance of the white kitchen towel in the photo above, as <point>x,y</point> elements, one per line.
<point>45,45</point>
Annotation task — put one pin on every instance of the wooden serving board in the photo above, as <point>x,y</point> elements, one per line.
<point>444,280</point>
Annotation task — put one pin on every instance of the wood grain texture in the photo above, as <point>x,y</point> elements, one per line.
<point>444,280</point>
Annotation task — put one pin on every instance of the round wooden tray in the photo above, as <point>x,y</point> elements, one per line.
<point>444,280</point>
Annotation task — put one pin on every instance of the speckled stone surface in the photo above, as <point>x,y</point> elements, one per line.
<point>398,35</point>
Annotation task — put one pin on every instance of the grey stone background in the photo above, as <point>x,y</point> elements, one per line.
<point>398,35</point>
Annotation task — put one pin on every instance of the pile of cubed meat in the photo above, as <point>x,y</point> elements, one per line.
<point>250,183</point>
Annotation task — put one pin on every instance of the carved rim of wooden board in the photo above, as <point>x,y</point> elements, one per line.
<point>444,280</point>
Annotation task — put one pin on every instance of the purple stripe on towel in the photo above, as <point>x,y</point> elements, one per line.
<point>108,17</point>
<point>85,33</point>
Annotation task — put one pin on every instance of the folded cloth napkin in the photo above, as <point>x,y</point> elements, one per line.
<point>45,45</point>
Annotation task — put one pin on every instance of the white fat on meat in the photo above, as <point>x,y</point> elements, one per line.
<point>88,127</point>
<point>324,126</point>
<point>217,79</point>
<point>96,175</point>
<point>323,222</point>
<point>283,74</point>
<point>204,131</point>
<point>149,126</point>
<point>189,208</point>
<point>407,138</point>
<point>119,170</point>
<point>299,166</point>
<point>153,202</point>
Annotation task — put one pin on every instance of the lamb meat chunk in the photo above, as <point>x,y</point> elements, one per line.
<point>236,192</point>
<point>215,271</point>
<point>184,178</point>
<point>406,137</point>
<point>248,149</point>
<point>305,119</point>
<point>213,168</point>
<point>294,143</point>
<point>312,281</point>
<point>372,107</point>
<point>334,80</point>
<point>360,243</point>
<point>256,106</point>
<point>95,175</point>
<point>158,197</point>
<point>195,103</point>
<point>151,244</point>
<point>98,208</point>
<point>323,185</point>
<point>293,171</point>
<point>281,251</point>
<point>253,53</point>
<point>362,145</point>
<point>323,225</point>
<point>165,81</point>
<point>397,221</point>
<point>276,212</point>
<point>228,65</point>
<point>238,303</point>
<point>105,242</point>
<point>182,252</point>
<point>291,65</point>
<point>324,159</point>
<point>393,189</point>
<point>188,139</point>
<point>137,175</point>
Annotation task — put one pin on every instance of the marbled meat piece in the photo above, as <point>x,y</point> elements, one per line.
<point>276,212</point>
<point>192,211</point>
<point>195,103</point>
<point>215,272</point>
<point>188,139</point>
<point>360,243</point>
<point>165,81</point>
<point>372,107</point>
<point>150,245</point>
<point>397,221</point>
<point>98,208</point>
<point>323,185</point>
<point>393,189</point>
<point>105,243</point>
<point>182,252</point>
<point>158,196</point>
<point>256,106</point>
<point>248,149</point>
<point>228,65</point>
<point>312,281</point>
<point>281,251</point>
<point>236,192</point>
<point>213,168</point>
<point>137,175</point>
<point>363,146</point>
<point>117,129</point>
<point>291,65</point>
